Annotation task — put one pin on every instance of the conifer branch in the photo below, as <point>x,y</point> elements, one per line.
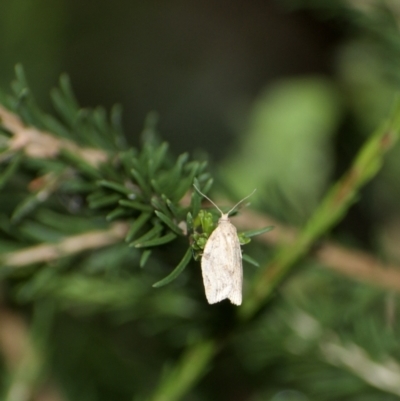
<point>39,144</point>
<point>148,188</point>
<point>353,263</point>
<point>45,253</point>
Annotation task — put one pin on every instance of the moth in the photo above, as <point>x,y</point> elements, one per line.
<point>221,262</point>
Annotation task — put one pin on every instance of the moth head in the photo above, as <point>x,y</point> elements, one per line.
<point>224,216</point>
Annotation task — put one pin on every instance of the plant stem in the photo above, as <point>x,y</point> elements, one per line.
<point>66,247</point>
<point>186,373</point>
<point>366,165</point>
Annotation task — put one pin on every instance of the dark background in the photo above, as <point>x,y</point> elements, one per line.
<point>199,64</point>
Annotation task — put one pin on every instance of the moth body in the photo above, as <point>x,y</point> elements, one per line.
<point>221,264</point>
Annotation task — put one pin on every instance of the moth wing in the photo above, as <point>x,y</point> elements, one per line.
<point>221,265</point>
<point>236,270</point>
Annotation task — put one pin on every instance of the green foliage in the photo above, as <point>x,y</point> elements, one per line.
<point>177,271</point>
<point>288,144</point>
<point>97,326</point>
<point>143,186</point>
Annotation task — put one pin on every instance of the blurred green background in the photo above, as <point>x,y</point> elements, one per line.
<point>232,79</point>
<point>199,65</point>
<point>280,95</point>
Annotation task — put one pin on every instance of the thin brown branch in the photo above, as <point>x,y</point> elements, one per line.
<point>68,246</point>
<point>352,263</point>
<point>359,265</point>
<point>35,143</point>
<point>40,144</point>
<point>355,264</point>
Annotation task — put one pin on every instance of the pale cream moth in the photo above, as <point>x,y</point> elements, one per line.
<point>221,262</point>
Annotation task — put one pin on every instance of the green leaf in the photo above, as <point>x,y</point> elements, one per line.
<point>186,183</point>
<point>137,225</point>
<point>114,186</point>
<point>176,171</point>
<point>69,96</point>
<point>243,240</point>
<point>136,205</point>
<point>199,241</point>
<point>10,170</point>
<point>160,205</point>
<point>99,120</point>
<point>157,187</point>
<point>66,223</point>
<point>165,219</point>
<point>55,126</point>
<point>196,197</point>
<point>206,221</point>
<point>157,241</point>
<point>126,157</point>
<point>189,221</point>
<point>250,260</point>
<point>148,236</point>
<point>253,233</point>
<point>158,157</point>
<point>29,204</point>
<point>177,271</point>
<point>195,203</point>
<point>141,181</point>
<point>176,211</point>
<point>106,200</point>
<point>64,101</point>
<point>145,257</point>
<point>79,164</point>
<point>21,77</point>
<point>116,213</point>
<point>95,196</point>
<point>60,103</point>
<point>207,185</point>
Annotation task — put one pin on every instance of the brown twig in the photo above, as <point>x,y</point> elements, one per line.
<point>40,144</point>
<point>358,265</point>
<point>352,263</point>
<point>68,246</point>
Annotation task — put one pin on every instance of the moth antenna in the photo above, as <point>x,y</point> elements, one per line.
<point>237,204</point>
<point>201,193</point>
